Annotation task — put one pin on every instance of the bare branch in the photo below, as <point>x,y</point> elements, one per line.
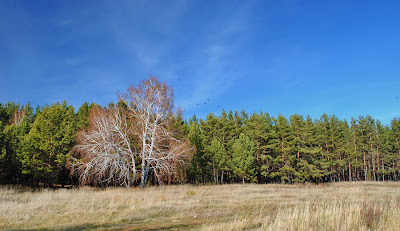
<point>107,151</point>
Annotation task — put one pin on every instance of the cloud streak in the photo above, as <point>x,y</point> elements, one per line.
<point>252,55</point>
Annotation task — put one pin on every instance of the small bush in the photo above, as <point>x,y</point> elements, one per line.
<point>190,193</point>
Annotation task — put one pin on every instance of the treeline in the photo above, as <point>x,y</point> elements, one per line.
<point>36,145</point>
<point>236,147</point>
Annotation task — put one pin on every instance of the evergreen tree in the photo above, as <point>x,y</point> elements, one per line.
<point>305,168</point>
<point>323,135</point>
<point>82,116</point>
<point>309,166</point>
<point>199,164</point>
<point>228,135</point>
<point>238,121</point>
<point>210,130</point>
<point>345,150</point>
<point>179,129</point>
<point>328,135</point>
<point>259,128</point>
<point>382,149</point>
<point>356,154</point>
<point>17,120</point>
<point>364,126</point>
<point>394,155</point>
<point>219,159</point>
<point>372,144</point>
<point>243,158</point>
<point>48,145</point>
<point>282,146</point>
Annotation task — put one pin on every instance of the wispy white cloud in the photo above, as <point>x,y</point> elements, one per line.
<point>145,32</point>
<point>213,59</point>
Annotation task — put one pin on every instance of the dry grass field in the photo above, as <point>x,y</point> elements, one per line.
<point>333,206</point>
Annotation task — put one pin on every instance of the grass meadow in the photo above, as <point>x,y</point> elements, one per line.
<point>331,206</point>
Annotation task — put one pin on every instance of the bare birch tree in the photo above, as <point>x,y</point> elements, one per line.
<point>106,149</point>
<point>151,105</point>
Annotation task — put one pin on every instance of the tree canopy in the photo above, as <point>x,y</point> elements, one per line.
<point>143,139</point>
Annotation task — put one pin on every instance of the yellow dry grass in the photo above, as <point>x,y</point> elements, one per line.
<point>333,206</point>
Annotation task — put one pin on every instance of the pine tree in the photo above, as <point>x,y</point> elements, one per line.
<point>243,158</point>
<point>199,165</point>
<point>345,150</point>
<point>394,156</point>
<point>356,153</point>
<point>372,144</point>
<point>328,137</point>
<point>17,120</point>
<point>282,146</point>
<point>48,145</point>
<point>238,121</point>
<point>309,164</point>
<point>258,128</point>
<point>210,130</point>
<point>382,148</point>
<point>82,116</point>
<point>363,133</point>
<point>219,159</point>
<point>336,143</point>
<point>179,129</point>
<point>227,137</point>
<point>305,170</point>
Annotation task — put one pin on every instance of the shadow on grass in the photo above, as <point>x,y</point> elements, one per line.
<point>150,226</point>
<point>73,228</point>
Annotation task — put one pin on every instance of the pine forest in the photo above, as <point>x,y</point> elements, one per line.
<point>42,147</point>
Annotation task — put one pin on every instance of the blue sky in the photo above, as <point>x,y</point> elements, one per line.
<point>305,57</point>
